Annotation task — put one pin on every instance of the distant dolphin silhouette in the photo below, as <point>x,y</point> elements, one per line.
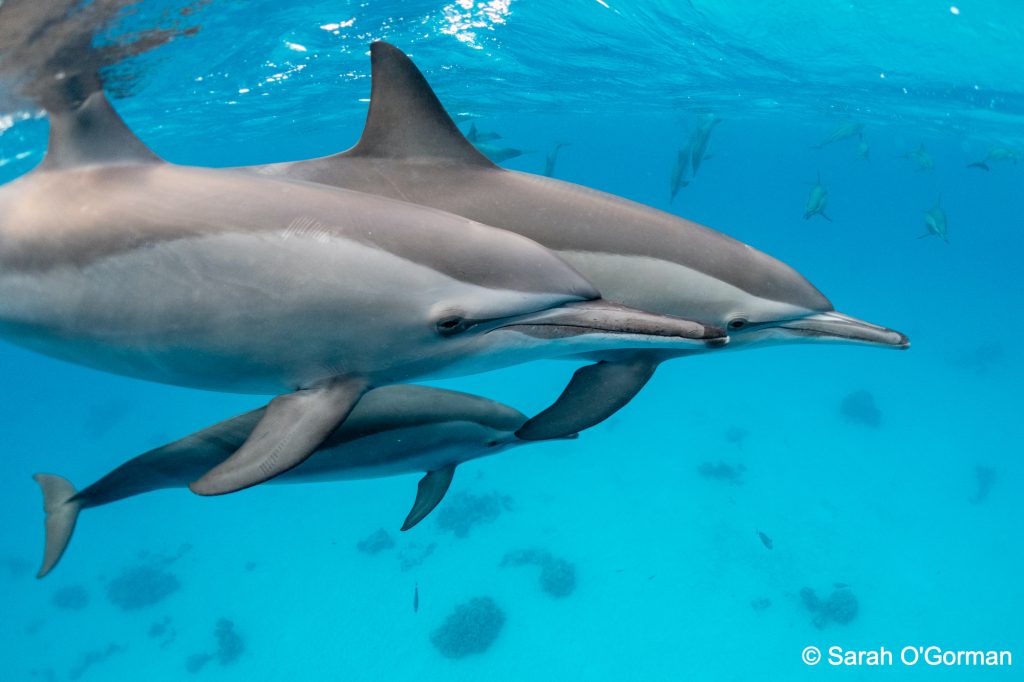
<point>846,131</point>
<point>996,154</point>
<point>817,199</point>
<point>936,223</point>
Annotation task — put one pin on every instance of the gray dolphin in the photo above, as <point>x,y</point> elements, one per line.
<point>679,171</point>
<point>498,154</point>
<point>476,137</point>
<point>921,158</point>
<point>996,154</point>
<point>846,131</point>
<point>229,281</point>
<point>699,141</point>
<point>817,199</point>
<point>935,222</point>
<point>393,430</point>
<point>636,255</point>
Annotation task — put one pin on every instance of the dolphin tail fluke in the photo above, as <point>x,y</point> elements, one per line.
<point>429,493</point>
<point>292,428</point>
<point>61,514</point>
<point>979,164</point>
<point>595,393</point>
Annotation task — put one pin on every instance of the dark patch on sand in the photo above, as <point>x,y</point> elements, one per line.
<point>469,629</point>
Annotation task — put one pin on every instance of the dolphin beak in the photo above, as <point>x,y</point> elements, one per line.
<point>619,324</point>
<point>833,326</point>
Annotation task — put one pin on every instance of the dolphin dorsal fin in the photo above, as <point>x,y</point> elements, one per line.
<point>92,133</point>
<point>406,120</point>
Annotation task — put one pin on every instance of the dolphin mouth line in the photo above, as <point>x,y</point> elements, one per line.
<point>597,329</point>
<point>844,328</point>
<point>603,317</point>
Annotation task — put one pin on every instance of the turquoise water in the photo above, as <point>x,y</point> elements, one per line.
<point>672,579</point>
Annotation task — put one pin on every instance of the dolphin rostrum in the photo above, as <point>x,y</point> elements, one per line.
<point>229,281</point>
<point>817,199</point>
<point>636,255</point>
<point>393,430</point>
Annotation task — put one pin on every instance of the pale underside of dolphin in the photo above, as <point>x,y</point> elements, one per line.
<point>410,149</point>
<point>224,280</point>
<point>392,431</point>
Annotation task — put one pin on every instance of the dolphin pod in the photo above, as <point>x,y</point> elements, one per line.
<point>393,430</point>
<point>216,279</point>
<point>324,281</point>
<point>634,254</point>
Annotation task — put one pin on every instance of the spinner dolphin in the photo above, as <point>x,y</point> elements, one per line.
<point>636,255</point>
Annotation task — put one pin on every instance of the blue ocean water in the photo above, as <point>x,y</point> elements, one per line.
<point>672,578</point>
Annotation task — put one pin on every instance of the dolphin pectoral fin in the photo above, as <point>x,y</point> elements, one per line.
<point>292,428</point>
<point>61,514</point>
<point>406,120</point>
<point>822,214</point>
<point>980,164</point>
<point>595,393</point>
<point>429,494</point>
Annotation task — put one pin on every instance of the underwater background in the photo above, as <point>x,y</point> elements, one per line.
<point>634,552</point>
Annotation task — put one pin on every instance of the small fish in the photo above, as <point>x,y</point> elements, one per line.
<point>765,540</point>
<point>843,132</point>
<point>936,223</point>
<point>549,162</point>
<point>816,201</point>
<point>920,157</point>
<point>416,598</point>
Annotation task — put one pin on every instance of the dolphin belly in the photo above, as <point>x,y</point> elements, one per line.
<point>395,452</point>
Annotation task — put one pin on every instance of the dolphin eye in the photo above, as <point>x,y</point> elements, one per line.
<point>737,323</point>
<point>451,325</point>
